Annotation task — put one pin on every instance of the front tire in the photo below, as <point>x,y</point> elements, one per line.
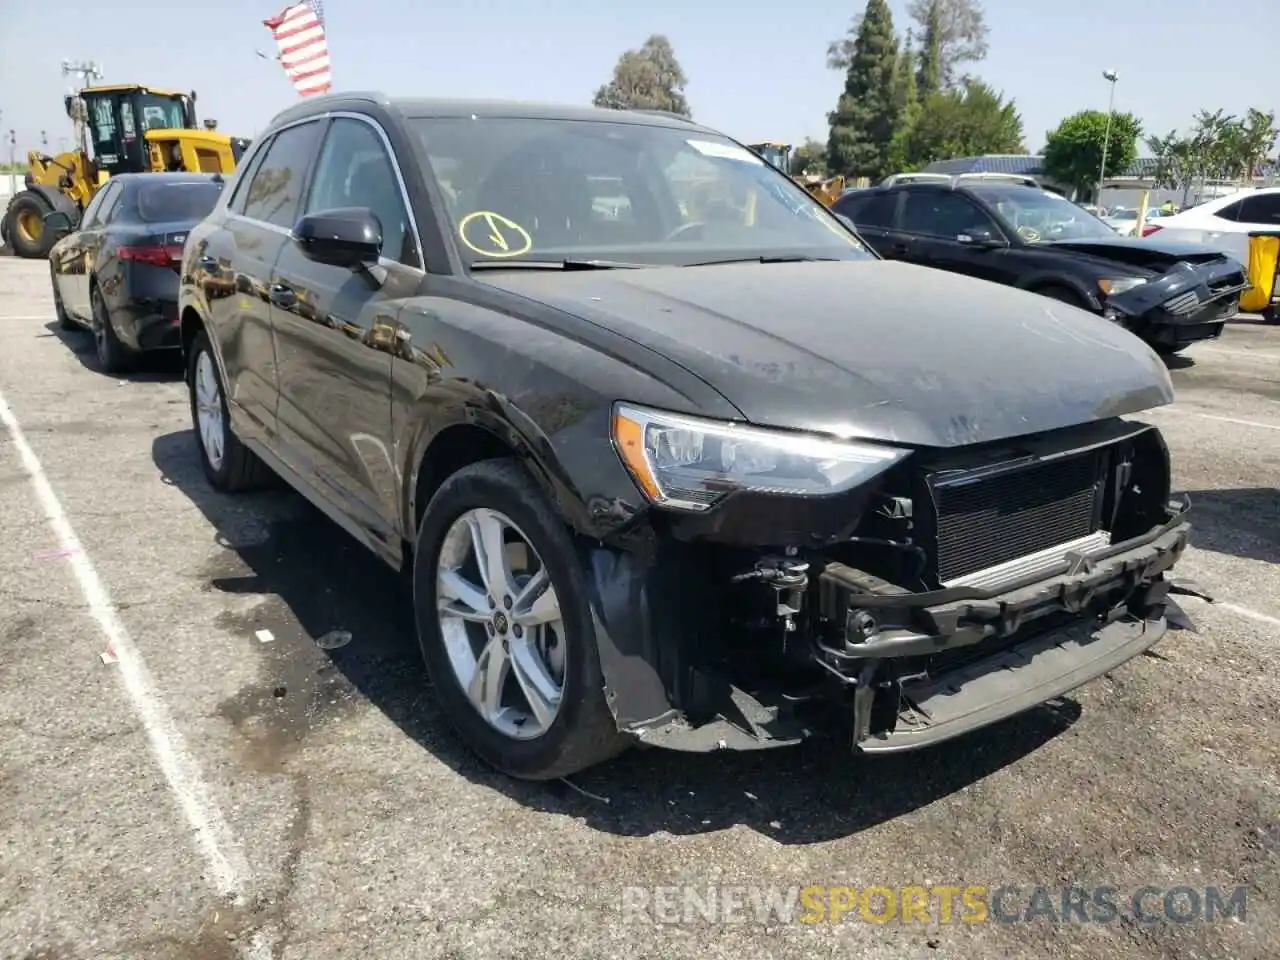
<point>24,225</point>
<point>228,464</point>
<point>59,309</point>
<point>506,628</point>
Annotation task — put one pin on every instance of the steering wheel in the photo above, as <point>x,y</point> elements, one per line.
<point>1029,234</point>
<point>683,229</point>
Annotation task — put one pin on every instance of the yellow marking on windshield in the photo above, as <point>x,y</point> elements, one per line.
<point>504,238</point>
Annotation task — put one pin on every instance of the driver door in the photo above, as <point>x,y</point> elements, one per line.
<point>949,229</point>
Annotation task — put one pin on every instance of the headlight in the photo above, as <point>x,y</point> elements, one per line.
<point>1119,284</point>
<point>688,463</point>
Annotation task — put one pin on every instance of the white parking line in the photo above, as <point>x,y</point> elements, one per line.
<point>1210,416</point>
<point>1250,614</point>
<point>224,854</point>
<point>1245,354</point>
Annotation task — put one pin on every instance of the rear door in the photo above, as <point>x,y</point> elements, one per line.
<point>235,264</point>
<point>874,216</point>
<point>334,331</point>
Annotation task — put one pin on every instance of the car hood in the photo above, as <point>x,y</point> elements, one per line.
<point>1153,253</point>
<point>876,349</point>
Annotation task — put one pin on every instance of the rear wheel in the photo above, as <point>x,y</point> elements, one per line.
<point>24,225</point>
<point>1271,315</point>
<point>228,464</point>
<point>113,355</point>
<point>505,626</point>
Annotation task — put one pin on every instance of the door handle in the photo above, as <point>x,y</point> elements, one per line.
<point>282,295</point>
<point>900,249</point>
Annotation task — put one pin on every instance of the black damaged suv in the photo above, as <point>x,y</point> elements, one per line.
<point>671,455</point>
<point>1010,230</point>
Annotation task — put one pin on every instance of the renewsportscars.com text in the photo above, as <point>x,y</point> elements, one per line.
<point>942,903</point>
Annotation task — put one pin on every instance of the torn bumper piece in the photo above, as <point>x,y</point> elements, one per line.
<point>981,659</point>
<point>899,670</point>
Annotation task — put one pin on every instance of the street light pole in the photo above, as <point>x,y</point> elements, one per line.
<point>1111,77</point>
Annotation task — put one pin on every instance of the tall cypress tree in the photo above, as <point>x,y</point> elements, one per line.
<point>866,115</point>
<point>929,78</point>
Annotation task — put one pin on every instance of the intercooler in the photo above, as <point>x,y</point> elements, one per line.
<point>994,524</point>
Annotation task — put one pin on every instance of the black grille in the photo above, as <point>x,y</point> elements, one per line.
<point>986,521</point>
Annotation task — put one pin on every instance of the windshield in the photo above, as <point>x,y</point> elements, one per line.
<point>1125,214</point>
<point>1038,215</point>
<point>552,190</point>
<point>158,202</point>
<point>161,113</point>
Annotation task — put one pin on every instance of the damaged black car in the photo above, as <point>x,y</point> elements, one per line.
<point>1008,229</point>
<point>671,456</point>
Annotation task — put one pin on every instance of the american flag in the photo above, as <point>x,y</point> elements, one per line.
<point>304,53</point>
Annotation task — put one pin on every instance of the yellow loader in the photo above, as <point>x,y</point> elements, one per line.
<point>825,191</point>
<point>127,128</point>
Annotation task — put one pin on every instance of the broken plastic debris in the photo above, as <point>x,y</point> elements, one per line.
<point>265,636</point>
<point>776,824</point>
<point>586,793</point>
<point>749,795</point>
<point>109,655</point>
<point>334,639</point>
<point>55,553</point>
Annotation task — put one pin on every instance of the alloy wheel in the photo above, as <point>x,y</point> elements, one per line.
<point>501,624</point>
<point>209,410</point>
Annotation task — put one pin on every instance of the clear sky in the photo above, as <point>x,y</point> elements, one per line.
<point>756,70</point>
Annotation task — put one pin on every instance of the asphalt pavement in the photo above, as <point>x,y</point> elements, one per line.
<point>195,765</point>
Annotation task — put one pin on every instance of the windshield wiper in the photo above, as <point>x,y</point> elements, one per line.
<point>781,258</point>
<point>555,265</point>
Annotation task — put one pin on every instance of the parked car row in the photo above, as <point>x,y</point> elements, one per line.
<point>703,470</point>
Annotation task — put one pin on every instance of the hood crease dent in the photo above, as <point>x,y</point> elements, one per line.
<point>874,349</point>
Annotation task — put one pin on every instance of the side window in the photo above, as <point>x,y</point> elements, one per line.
<point>111,207</point>
<point>244,175</point>
<point>126,120</point>
<point>938,213</point>
<point>1230,212</point>
<point>873,211</point>
<point>93,213</point>
<point>355,170</point>
<point>1264,208</point>
<point>275,191</point>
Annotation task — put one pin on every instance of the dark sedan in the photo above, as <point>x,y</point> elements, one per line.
<point>1010,231</point>
<point>117,272</point>
<point>671,456</point>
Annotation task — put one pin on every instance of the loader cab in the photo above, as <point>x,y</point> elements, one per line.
<point>117,119</point>
<point>778,154</point>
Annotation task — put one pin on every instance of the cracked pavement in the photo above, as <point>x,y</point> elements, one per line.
<point>360,827</point>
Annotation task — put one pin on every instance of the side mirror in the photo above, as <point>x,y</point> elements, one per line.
<point>58,222</point>
<point>346,237</point>
<point>847,222</point>
<point>980,238</point>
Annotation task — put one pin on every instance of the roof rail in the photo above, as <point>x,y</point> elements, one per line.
<point>914,178</point>
<point>669,114</point>
<point>955,179</point>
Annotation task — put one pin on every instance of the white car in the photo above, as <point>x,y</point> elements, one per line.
<point>1224,222</point>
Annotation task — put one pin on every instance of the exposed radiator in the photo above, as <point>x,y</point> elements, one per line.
<point>985,520</point>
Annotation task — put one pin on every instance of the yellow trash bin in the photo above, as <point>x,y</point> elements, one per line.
<point>1264,264</point>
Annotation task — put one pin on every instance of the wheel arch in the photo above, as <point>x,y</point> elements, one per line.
<point>468,435</point>
<point>1046,284</point>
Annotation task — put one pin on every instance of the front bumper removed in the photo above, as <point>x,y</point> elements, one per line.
<point>915,669</point>
<point>924,668</point>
